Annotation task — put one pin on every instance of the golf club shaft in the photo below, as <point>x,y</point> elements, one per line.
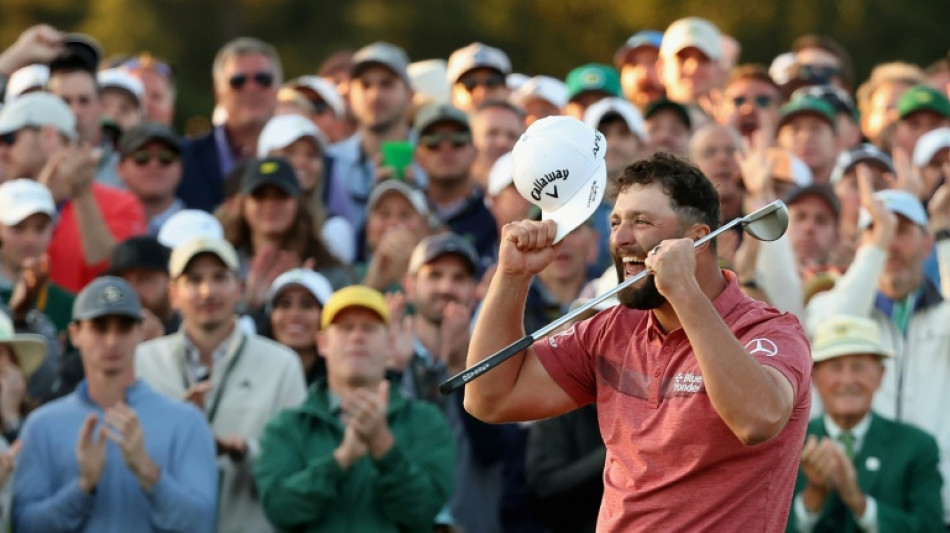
<point>453,383</point>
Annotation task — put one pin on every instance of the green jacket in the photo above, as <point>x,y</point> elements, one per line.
<point>903,478</point>
<point>302,488</point>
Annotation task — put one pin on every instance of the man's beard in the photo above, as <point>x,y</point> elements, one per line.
<point>644,297</point>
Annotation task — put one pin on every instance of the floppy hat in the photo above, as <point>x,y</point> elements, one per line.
<point>558,165</point>
<point>30,348</point>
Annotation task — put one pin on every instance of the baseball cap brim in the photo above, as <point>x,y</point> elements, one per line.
<point>183,255</point>
<point>30,351</point>
<point>354,296</point>
<point>848,346</point>
<point>581,206</point>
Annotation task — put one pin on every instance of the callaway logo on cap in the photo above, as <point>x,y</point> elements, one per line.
<point>558,165</point>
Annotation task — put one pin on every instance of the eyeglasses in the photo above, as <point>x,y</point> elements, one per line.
<point>762,101</point>
<point>142,157</point>
<point>457,139</point>
<point>493,81</point>
<point>262,79</point>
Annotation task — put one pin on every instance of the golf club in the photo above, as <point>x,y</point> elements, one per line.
<point>767,223</point>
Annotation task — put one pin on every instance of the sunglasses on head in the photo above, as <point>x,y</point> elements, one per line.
<point>263,79</point>
<point>821,74</point>
<point>457,139</point>
<point>761,101</point>
<point>142,157</point>
<point>148,62</point>
<point>493,81</point>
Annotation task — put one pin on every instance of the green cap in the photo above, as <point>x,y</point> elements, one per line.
<point>592,77</point>
<point>923,98</point>
<point>807,105</point>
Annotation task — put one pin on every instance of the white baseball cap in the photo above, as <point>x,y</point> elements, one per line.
<point>21,198</point>
<point>325,90</point>
<point>415,197</point>
<point>500,175</point>
<point>120,78</point>
<point>549,89</point>
<point>847,335</point>
<point>476,55</point>
<point>929,144</point>
<point>559,167</point>
<point>618,106</point>
<point>428,80</point>
<point>37,110</point>
<point>692,31</point>
<point>899,202</point>
<point>282,130</point>
<point>189,224</point>
<point>23,79</point>
<point>314,283</point>
<point>515,80</point>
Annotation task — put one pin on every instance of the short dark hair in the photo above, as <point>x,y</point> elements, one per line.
<point>692,196</point>
<point>752,71</point>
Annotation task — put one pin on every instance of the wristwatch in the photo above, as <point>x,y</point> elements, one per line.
<point>942,234</point>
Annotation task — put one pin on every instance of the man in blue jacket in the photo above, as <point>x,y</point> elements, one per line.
<point>114,455</point>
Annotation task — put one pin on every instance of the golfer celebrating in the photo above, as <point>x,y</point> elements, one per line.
<point>702,392</point>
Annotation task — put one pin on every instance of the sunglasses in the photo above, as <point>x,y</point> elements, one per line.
<point>9,139</point>
<point>434,140</point>
<point>493,81</point>
<point>142,157</point>
<point>262,79</point>
<point>818,73</point>
<point>762,101</point>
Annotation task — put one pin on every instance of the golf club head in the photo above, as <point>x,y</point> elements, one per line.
<point>768,223</point>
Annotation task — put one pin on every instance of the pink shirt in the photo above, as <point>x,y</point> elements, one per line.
<point>672,463</point>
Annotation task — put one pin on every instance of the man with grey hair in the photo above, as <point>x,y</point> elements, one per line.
<point>247,73</point>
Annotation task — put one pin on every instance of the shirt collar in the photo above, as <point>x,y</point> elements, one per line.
<point>193,355</point>
<point>859,431</point>
<point>724,303</point>
<point>158,220</point>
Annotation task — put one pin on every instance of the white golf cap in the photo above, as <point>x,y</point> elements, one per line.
<point>781,68</point>
<point>549,89</point>
<point>26,78</point>
<point>184,253</point>
<point>314,283</point>
<point>283,130</point>
<point>617,106</point>
<point>120,78</point>
<point>692,32</point>
<point>500,175</point>
<point>898,202</point>
<point>415,197</point>
<point>325,90</point>
<point>847,335</point>
<point>929,144</point>
<point>428,80</point>
<point>21,198</point>
<point>515,80</point>
<point>189,224</point>
<point>476,55</point>
<point>37,110</point>
<point>559,167</point>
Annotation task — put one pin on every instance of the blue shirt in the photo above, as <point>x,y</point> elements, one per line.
<point>47,497</point>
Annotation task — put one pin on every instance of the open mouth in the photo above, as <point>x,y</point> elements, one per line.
<point>632,265</point>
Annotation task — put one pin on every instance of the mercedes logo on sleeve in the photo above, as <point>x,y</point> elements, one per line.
<point>764,346</point>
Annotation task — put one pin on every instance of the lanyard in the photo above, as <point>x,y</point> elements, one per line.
<point>216,401</point>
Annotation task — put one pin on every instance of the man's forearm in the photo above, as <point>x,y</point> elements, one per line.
<point>499,324</point>
<point>97,240</point>
<point>740,389</point>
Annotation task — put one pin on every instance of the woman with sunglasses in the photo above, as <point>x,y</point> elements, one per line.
<point>292,316</point>
<point>303,145</point>
<point>272,229</point>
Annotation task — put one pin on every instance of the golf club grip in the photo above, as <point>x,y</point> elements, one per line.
<point>458,380</point>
